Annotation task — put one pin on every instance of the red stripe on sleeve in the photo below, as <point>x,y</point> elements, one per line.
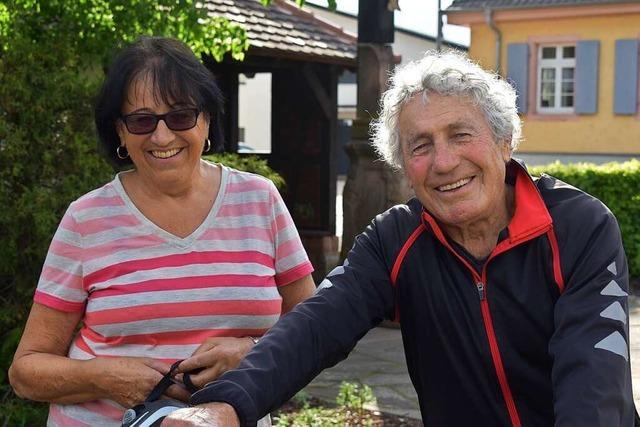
<point>57,303</point>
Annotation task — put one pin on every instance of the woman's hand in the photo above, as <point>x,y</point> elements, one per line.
<point>215,356</point>
<point>41,370</point>
<point>129,380</point>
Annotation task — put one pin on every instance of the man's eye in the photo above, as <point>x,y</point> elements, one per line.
<point>461,135</point>
<point>420,148</point>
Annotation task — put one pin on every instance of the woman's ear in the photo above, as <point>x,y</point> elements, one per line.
<point>120,130</point>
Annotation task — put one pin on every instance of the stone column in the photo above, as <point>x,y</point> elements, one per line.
<point>371,186</point>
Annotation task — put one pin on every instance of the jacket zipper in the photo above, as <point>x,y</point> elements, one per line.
<point>495,352</point>
<point>481,284</point>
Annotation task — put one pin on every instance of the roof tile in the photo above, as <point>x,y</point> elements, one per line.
<point>284,28</point>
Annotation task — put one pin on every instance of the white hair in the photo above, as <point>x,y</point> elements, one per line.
<point>447,74</point>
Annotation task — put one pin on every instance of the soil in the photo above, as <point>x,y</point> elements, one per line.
<point>379,419</point>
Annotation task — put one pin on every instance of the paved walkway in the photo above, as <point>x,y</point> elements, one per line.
<point>378,361</point>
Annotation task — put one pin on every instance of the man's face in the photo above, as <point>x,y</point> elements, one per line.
<point>452,160</point>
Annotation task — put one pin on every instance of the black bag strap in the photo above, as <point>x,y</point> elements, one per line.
<point>164,384</point>
<point>186,379</point>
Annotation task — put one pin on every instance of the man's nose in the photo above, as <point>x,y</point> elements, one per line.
<point>445,157</point>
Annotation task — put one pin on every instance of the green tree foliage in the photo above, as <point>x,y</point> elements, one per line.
<point>52,53</point>
<point>617,185</point>
<point>85,29</point>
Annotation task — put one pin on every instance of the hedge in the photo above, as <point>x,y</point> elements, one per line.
<point>617,185</point>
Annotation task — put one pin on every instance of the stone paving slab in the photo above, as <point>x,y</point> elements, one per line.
<point>378,361</point>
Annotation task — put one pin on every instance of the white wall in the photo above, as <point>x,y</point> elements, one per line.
<point>409,46</point>
<point>254,112</point>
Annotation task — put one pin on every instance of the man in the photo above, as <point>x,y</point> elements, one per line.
<point>511,291</point>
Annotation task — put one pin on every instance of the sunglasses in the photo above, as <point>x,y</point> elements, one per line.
<point>177,120</point>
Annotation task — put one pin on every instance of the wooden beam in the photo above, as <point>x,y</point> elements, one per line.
<point>318,90</point>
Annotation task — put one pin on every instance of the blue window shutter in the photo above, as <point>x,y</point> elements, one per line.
<point>518,72</point>
<point>626,78</point>
<point>586,85</point>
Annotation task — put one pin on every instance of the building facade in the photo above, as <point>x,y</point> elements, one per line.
<point>574,64</point>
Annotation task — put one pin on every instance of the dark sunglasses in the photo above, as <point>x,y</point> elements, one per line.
<point>177,120</point>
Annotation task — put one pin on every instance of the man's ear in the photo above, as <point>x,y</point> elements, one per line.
<point>505,149</point>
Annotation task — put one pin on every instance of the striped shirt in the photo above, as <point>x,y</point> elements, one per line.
<point>148,293</point>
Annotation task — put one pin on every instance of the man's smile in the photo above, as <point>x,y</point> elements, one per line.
<point>454,185</point>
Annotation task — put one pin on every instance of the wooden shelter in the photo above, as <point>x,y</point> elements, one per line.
<point>304,56</point>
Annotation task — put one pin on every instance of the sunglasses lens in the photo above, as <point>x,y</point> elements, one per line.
<point>141,123</point>
<point>181,119</point>
<point>144,123</point>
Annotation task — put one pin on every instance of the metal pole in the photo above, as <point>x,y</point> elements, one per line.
<point>439,35</point>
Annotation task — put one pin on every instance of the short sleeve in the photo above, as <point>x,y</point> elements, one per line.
<point>291,260</point>
<point>61,285</point>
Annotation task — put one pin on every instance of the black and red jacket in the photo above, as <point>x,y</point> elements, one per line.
<point>537,336</point>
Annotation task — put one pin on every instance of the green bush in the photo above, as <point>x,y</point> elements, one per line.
<point>618,186</point>
<point>249,163</point>
<point>350,409</point>
<point>48,157</point>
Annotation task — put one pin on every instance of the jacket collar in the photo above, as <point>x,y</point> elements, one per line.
<point>531,217</point>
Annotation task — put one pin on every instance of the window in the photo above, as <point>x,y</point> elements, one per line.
<point>556,79</point>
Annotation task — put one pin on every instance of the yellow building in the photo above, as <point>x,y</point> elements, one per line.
<point>574,64</point>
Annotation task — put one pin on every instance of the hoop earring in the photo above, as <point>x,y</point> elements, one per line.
<point>207,145</point>
<point>119,152</point>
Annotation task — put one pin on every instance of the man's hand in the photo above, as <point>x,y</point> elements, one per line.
<point>208,415</point>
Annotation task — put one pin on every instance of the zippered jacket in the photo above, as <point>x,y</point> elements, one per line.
<point>537,336</point>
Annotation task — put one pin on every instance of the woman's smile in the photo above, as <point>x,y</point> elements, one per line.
<point>165,154</point>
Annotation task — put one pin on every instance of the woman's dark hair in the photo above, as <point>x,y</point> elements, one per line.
<point>177,76</point>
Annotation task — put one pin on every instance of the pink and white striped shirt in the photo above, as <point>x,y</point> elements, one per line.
<point>148,293</point>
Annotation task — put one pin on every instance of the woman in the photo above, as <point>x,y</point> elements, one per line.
<point>174,258</point>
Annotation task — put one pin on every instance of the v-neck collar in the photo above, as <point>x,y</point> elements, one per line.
<point>159,231</point>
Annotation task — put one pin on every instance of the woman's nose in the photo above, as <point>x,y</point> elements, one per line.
<point>162,135</point>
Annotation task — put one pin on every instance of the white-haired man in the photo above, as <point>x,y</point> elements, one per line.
<point>511,291</point>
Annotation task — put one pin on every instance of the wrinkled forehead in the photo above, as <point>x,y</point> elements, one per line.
<point>436,110</point>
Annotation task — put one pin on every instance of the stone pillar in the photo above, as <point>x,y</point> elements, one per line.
<point>323,254</point>
<point>371,186</point>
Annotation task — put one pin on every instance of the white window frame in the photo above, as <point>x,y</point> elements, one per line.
<point>558,63</point>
